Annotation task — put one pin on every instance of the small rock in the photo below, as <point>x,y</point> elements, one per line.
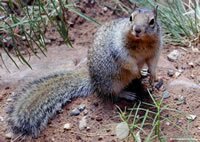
<point>81,107</point>
<point>170,72</point>
<point>159,84</point>
<point>191,64</point>
<point>165,95</point>
<point>108,130</point>
<point>7,88</point>
<point>23,38</point>
<point>100,139</point>
<point>122,130</point>
<point>162,88</point>
<point>98,118</point>
<point>78,137</point>
<point>192,76</point>
<point>179,122</point>
<point>191,117</point>
<point>195,50</point>
<point>184,83</point>
<point>1,118</point>
<point>173,56</point>
<point>181,100</point>
<point>2,17</point>
<point>180,70</point>
<point>85,112</point>
<point>105,9</point>
<point>92,1</point>
<point>9,135</point>
<point>5,40</point>
<point>9,99</point>
<point>83,123</point>
<point>53,139</point>
<point>67,126</point>
<point>88,128</point>
<point>86,1</point>
<point>177,74</point>
<point>167,123</point>
<point>75,112</point>
<point>47,41</point>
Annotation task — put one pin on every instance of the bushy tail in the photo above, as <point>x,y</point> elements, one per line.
<point>39,100</point>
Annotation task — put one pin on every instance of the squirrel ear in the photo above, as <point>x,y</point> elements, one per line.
<point>155,11</point>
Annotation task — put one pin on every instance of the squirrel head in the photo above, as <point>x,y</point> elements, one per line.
<point>144,23</point>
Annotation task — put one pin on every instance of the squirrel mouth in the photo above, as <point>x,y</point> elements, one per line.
<point>137,36</point>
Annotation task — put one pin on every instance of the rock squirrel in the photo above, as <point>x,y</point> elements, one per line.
<point>120,49</point>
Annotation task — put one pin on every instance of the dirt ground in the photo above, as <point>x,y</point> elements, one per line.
<point>101,116</point>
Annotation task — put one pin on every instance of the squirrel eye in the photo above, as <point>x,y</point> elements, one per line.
<point>131,18</point>
<point>151,22</point>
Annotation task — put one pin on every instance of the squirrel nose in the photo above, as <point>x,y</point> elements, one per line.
<point>138,30</point>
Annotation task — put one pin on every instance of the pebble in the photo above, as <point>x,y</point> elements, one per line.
<point>179,122</point>
<point>105,9</point>
<point>2,17</point>
<point>192,76</point>
<point>100,139</point>
<point>122,130</point>
<point>85,112</point>
<point>47,41</point>
<point>81,107</point>
<point>98,119</point>
<point>159,84</point>
<point>181,100</point>
<point>191,117</point>
<point>78,137</point>
<point>83,123</point>
<point>75,112</point>
<point>88,128</point>
<point>53,139</point>
<point>170,72</point>
<point>9,99</point>
<point>165,95</point>
<point>177,74</point>
<point>184,83</point>
<point>191,64</point>
<point>67,126</point>
<point>9,135</point>
<point>167,123</point>
<point>173,56</point>
<point>24,38</point>
<point>1,118</point>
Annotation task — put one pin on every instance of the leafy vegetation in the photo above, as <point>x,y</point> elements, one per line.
<point>23,24</point>
<point>146,120</point>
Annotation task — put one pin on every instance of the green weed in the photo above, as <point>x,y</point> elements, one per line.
<point>146,120</point>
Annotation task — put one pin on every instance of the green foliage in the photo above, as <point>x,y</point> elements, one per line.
<point>145,121</point>
<point>22,24</point>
